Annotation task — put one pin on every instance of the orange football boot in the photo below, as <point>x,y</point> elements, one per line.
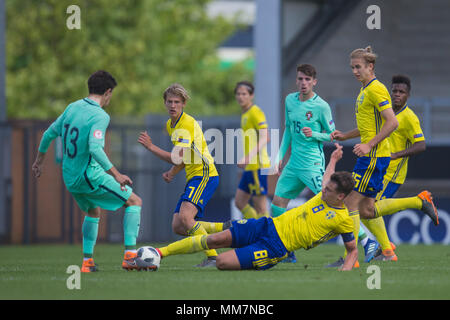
<point>89,266</point>
<point>428,206</point>
<point>129,261</point>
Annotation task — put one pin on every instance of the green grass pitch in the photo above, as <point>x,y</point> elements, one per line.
<point>39,272</point>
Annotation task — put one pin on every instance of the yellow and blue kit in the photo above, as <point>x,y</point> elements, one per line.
<point>253,181</point>
<point>407,133</point>
<point>262,243</point>
<point>369,170</point>
<point>202,177</point>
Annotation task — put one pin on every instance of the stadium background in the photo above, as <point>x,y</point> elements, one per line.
<point>261,40</point>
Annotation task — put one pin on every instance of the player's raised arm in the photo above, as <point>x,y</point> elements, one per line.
<point>146,141</point>
<point>331,167</point>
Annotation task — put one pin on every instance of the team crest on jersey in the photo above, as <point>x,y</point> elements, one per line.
<point>98,134</point>
<point>360,100</point>
<point>309,115</point>
<point>330,215</point>
<point>242,221</point>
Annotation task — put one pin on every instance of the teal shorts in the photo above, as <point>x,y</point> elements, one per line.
<point>102,191</point>
<point>292,181</point>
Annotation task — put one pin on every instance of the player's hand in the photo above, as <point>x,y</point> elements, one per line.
<point>167,176</point>
<point>124,181</point>
<point>394,156</point>
<point>361,149</point>
<point>337,135</point>
<point>307,132</point>
<point>338,153</point>
<point>37,168</point>
<point>277,168</point>
<point>145,140</point>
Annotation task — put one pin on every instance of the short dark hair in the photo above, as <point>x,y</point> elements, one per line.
<point>250,87</point>
<point>344,181</point>
<point>100,81</point>
<point>399,78</point>
<point>307,69</point>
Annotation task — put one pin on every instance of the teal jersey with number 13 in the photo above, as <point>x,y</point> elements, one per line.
<point>82,127</point>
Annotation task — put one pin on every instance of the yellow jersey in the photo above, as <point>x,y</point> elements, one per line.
<point>187,133</point>
<point>373,98</point>
<point>253,120</point>
<point>311,224</point>
<point>407,133</point>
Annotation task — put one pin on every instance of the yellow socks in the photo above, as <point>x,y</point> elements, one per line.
<point>378,229</point>
<point>198,229</point>
<point>186,245</point>
<point>390,206</point>
<point>212,227</point>
<point>249,212</point>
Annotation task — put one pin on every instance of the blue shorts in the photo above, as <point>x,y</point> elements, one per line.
<point>257,242</point>
<point>368,174</point>
<point>389,190</point>
<point>253,182</point>
<point>198,191</point>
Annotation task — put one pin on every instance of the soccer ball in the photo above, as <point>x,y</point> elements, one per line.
<point>148,258</point>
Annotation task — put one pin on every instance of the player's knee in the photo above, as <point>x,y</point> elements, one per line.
<point>134,200</point>
<point>367,212</point>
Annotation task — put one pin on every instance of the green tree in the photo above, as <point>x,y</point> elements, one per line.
<point>145,44</point>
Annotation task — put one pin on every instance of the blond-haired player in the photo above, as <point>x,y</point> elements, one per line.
<point>191,153</point>
<point>375,122</point>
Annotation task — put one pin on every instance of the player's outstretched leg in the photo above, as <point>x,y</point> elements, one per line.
<point>423,201</point>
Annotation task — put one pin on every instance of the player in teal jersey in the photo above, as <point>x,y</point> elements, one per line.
<point>308,123</point>
<point>88,174</point>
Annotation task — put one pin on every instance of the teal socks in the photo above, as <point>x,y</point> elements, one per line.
<point>90,232</point>
<point>131,222</point>
<point>362,236</point>
<point>277,211</point>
